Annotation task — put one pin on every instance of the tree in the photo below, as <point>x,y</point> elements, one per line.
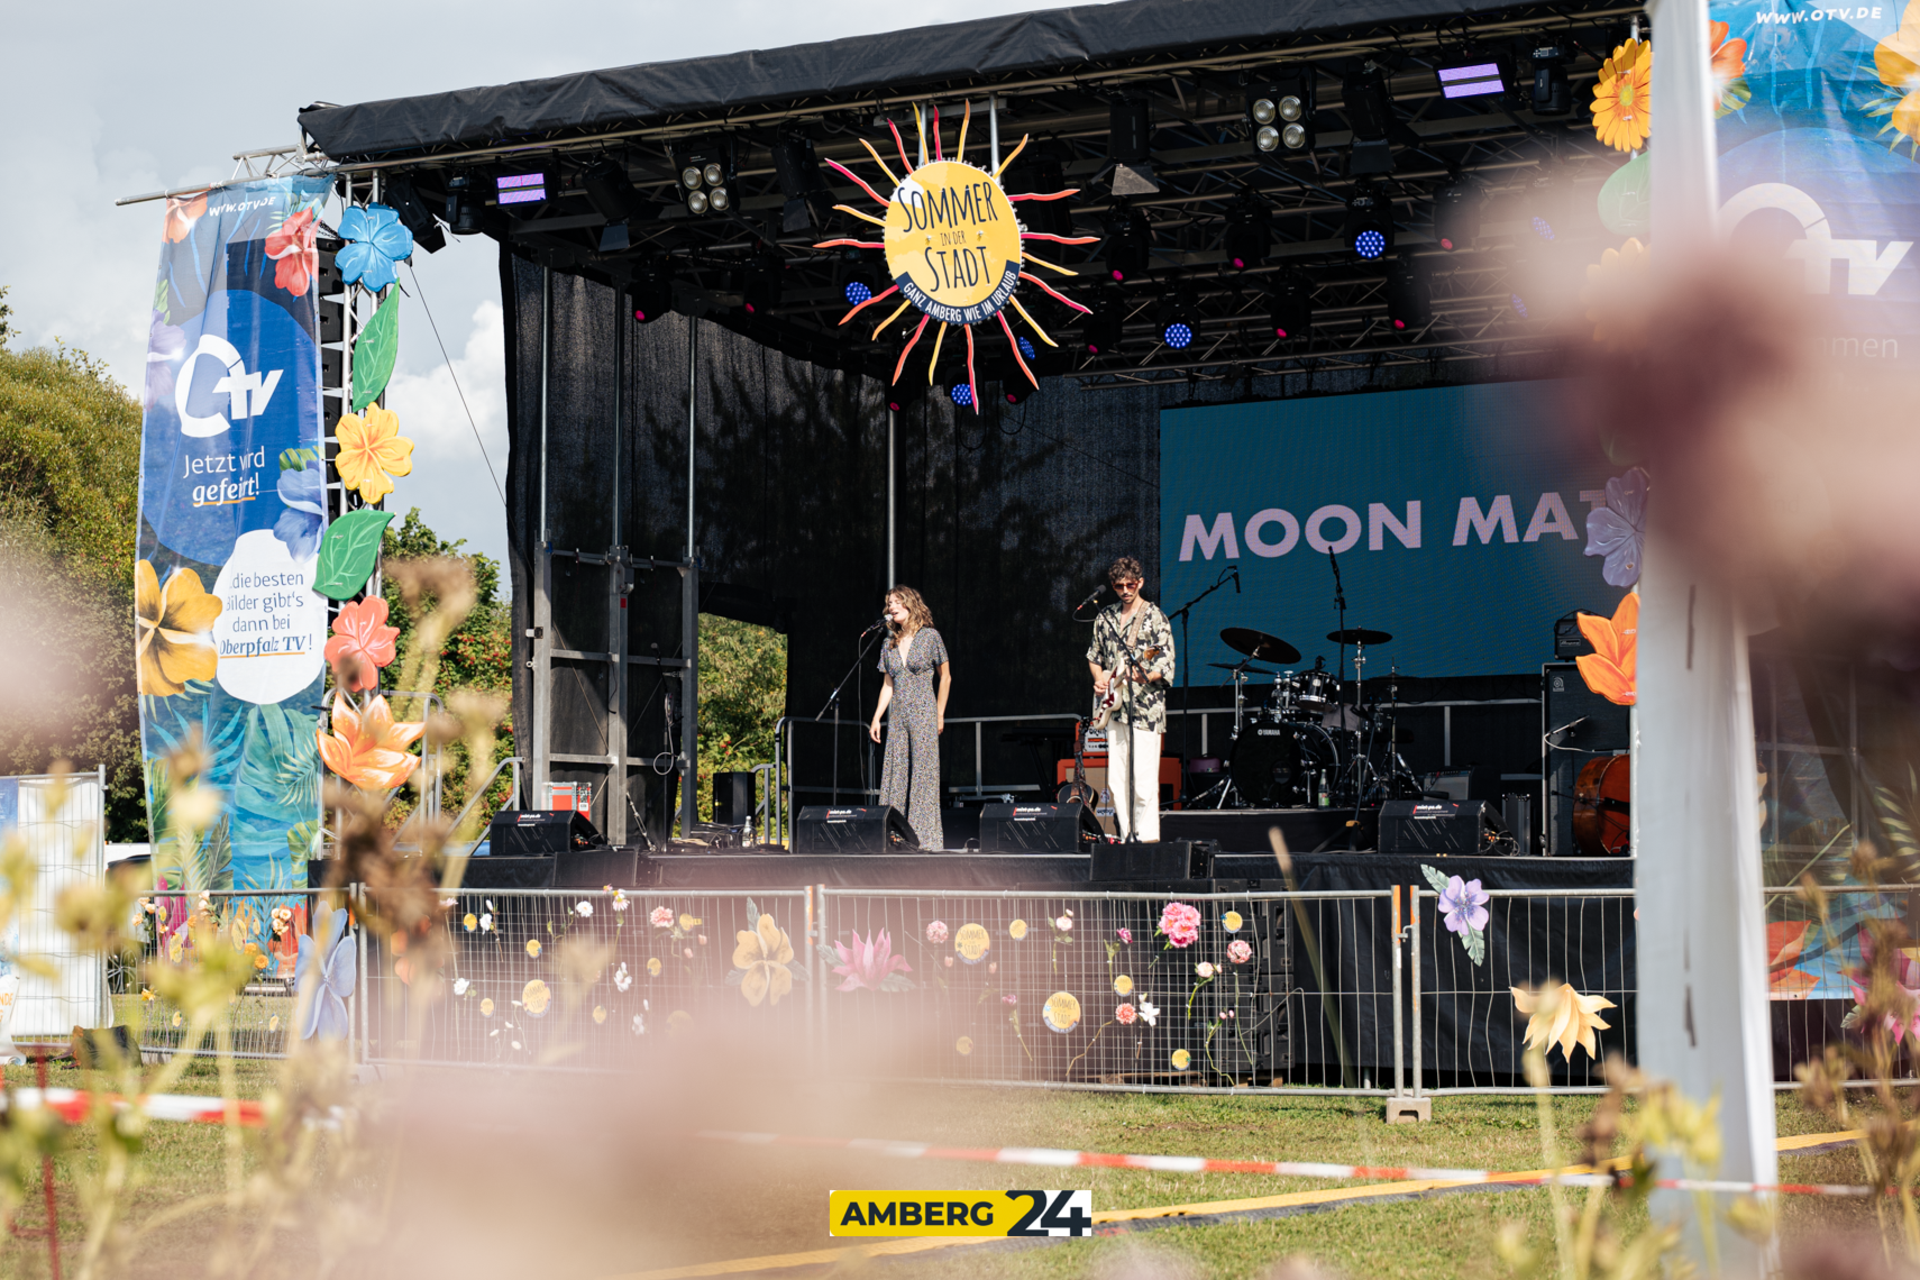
<point>743,691</point>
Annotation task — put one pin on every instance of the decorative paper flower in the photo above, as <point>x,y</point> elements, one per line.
<point>1905,972</point>
<point>687,922</point>
<point>1610,669</point>
<point>460,985</point>
<point>963,1046</point>
<point>677,1021</point>
<point>1180,1059</point>
<point>764,954</point>
<point>661,917</point>
<point>1464,904</point>
<point>486,922</point>
<point>1232,921</point>
<point>584,909</point>
<point>1123,985</point>
<point>1561,1016</point>
<point>1061,1013</point>
<point>362,643</point>
<point>470,922</point>
<point>168,622</point>
<point>536,998</point>
<point>273,1023</point>
<point>177,1019</point>
<point>533,948</point>
<point>1897,59</point>
<point>1204,969</point>
<point>146,995</point>
<point>1729,70</point>
<point>937,932</point>
<point>486,1006</point>
<point>165,344</point>
<point>1618,531</point>
<point>1179,924</point>
<point>871,964</point>
<point>1064,923</point>
<point>622,980</point>
<point>368,749</point>
<point>620,902</point>
<point>296,260</point>
<point>653,966</point>
<point>639,1025</point>
<point>375,241</point>
<point>1126,1015</point>
<point>1124,934</point>
<point>1010,998</point>
<point>1618,296</point>
<point>282,920</point>
<point>182,213</point>
<point>325,983</point>
<point>1149,1011</point>
<point>1239,951</point>
<point>372,451</point>
<point>1623,95</point>
<point>972,942</point>
<point>1017,930</point>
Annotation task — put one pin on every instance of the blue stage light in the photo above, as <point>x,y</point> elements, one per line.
<point>1026,348</point>
<point>1177,335</point>
<point>1520,305</point>
<point>1542,227</point>
<point>1369,243</point>
<point>858,292</point>
<point>962,394</point>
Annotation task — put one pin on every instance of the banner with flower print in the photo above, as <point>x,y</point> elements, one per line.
<point>1819,135</point>
<point>229,630</point>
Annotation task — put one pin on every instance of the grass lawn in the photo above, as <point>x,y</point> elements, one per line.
<point>627,1202</point>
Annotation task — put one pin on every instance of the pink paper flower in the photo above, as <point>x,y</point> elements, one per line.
<point>870,964</point>
<point>1239,951</point>
<point>1124,934</point>
<point>1009,998</point>
<point>937,932</point>
<point>661,917</point>
<point>1126,1014</point>
<point>1180,924</point>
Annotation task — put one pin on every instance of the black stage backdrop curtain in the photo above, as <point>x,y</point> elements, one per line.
<point>1005,519</point>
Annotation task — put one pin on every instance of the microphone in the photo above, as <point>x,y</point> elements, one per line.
<point>1236,579</point>
<point>874,626</point>
<point>1093,596</point>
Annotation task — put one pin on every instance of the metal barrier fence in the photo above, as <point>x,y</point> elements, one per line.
<point>62,820</point>
<point>268,927</point>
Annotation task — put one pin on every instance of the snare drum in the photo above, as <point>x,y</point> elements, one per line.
<point>1313,691</point>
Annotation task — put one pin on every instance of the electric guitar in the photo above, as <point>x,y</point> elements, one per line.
<point>1103,705</point>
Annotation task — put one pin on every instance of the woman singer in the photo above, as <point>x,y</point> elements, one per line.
<point>910,780</point>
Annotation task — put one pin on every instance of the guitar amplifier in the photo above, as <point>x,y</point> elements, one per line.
<point>1440,826</point>
<point>540,833</point>
<point>864,828</point>
<point>1037,828</point>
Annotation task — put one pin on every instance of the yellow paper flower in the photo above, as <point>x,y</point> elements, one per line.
<point>1123,985</point>
<point>963,1046</point>
<point>599,1013</point>
<point>168,622</point>
<point>176,1018</point>
<point>1231,922</point>
<point>688,922</point>
<point>1897,59</point>
<point>533,948</point>
<point>146,995</point>
<point>1617,295</point>
<point>486,1007</point>
<point>1181,1059</point>
<point>653,966</point>
<point>1623,95</point>
<point>764,952</point>
<point>535,998</point>
<point>1560,1015</point>
<point>273,1023</point>
<point>372,450</point>
<point>1017,930</point>
<point>677,1021</point>
<point>470,921</point>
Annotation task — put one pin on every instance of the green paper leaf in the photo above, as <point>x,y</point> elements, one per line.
<point>348,552</point>
<point>373,352</point>
<point>1626,199</point>
<point>296,459</point>
<point>1436,878</point>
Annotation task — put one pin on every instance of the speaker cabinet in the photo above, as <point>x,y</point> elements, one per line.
<point>1161,860</point>
<point>1438,826</point>
<point>1577,725</point>
<point>1037,828</point>
<point>733,798</point>
<point>540,833</point>
<point>853,829</point>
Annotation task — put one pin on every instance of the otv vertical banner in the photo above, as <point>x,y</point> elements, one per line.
<point>232,473</point>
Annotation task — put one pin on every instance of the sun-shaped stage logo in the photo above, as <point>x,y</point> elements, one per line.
<point>954,246</point>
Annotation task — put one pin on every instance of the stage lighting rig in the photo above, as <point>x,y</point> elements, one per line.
<point>1100,332</point>
<point>1049,217</point>
<point>1456,214</point>
<point>1368,229</point>
<point>706,176</point>
<point>961,393</point>
<point>1552,92</point>
<point>1280,112</point>
<point>1130,147</point>
<point>1369,110</point>
<point>1544,211</point>
<point>911,388</point>
<point>1473,72</point>
<point>464,205</point>
<point>1249,231</point>
<point>400,196</point>
<point>809,201</point>
<point>1176,320</point>
<point>522,194</point>
<point>1409,300</point>
<point>760,290</point>
<point>650,295</point>
<point>1290,309</point>
<point>1129,244</point>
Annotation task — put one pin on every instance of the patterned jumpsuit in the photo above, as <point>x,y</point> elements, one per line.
<point>910,781</point>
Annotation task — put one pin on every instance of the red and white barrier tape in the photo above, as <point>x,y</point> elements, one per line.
<point>1058,1159</point>
<point>74,1105</point>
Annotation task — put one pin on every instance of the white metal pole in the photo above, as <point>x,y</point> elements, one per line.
<point>1701,931</point>
<point>893,472</point>
<point>993,128</point>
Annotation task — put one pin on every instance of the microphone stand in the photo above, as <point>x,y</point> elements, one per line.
<point>833,705</point>
<point>1184,613</point>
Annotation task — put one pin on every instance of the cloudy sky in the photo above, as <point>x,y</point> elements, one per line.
<point>116,99</point>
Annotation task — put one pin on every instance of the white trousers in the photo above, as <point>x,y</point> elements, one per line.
<point>1133,776</point>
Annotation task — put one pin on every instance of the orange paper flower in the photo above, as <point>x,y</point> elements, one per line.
<point>369,750</point>
<point>169,621</point>
<point>1897,59</point>
<point>1610,669</point>
<point>362,643</point>
<point>1623,95</point>
<point>372,450</point>
<point>182,213</point>
<point>1729,70</point>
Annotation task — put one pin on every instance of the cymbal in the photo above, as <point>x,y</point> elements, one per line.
<point>1258,644</point>
<point>1240,666</point>
<point>1358,635</point>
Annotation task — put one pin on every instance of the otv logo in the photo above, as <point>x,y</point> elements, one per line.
<point>247,393</point>
<point>1868,265</point>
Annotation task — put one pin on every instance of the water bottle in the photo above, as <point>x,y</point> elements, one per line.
<point>1324,798</point>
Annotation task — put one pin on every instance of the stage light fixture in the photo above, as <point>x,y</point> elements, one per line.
<point>1552,91</point>
<point>1473,73</point>
<point>809,202</point>
<point>520,189</point>
<point>1129,244</point>
<point>1456,214</point>
<point>1280,112</point>
<point>1130,147</point>
<point>1249,232</point>
<point>858,291</point>
<point>1520,305</point>
<point>1369,110</point>
<point>706,174</point>
<point>651,294</point>
<point>1409,300</point>
<point>1544,211</point>
<point>463,206</point>
<point>1100,333</point>
<point>1368,229</point>
<point>760,292</point>
<point>1290,309</point>
<point>961,394</point>
<point>1177,319</point>
<point>399,195</point>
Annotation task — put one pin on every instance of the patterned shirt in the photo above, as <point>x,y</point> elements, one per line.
<point>1144,705</point>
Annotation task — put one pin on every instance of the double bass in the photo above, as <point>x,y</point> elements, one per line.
<point>1602,804</point>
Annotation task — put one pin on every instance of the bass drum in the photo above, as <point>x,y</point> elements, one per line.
<point>1269,768</point>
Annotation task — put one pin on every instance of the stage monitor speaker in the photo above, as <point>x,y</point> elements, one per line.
<point>540,833</point>
<point>1568,640</point>
<point>1439,826</point>
<point>1037,828</point>
<point>1517,812</point>
<point>1577,725</point>
<point>733,798</point>
<point>1477,783</point>
<point>865,828</point>
<point>1160,860</point>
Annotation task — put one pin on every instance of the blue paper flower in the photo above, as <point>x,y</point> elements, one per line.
<point>1618,530</point>
<point>1464,904</point>
<point>376,241</point>
<point>331,984</point>
<point>166,343</point>
<point>301,525</point>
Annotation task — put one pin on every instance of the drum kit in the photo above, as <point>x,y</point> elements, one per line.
<point>1315,740</point>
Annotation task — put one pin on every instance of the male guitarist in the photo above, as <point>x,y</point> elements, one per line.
<point>1131,658</point>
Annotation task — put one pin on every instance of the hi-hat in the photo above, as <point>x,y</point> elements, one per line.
<point>1358,635</point>
<point>1247,667</point>
<point>1258,644</point>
